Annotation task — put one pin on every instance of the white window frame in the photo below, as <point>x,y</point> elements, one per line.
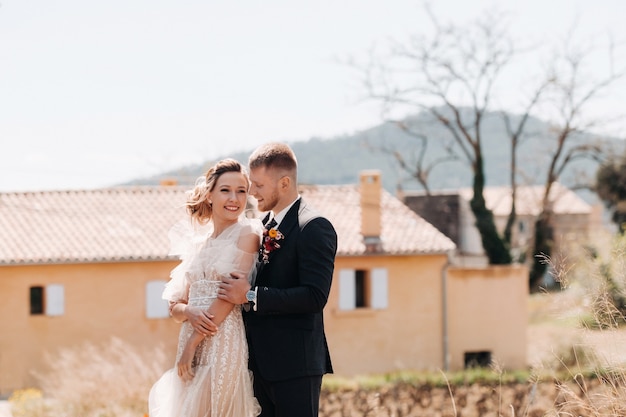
<point>347,289</point>
<point>379,289</point>
<point>54,297</point>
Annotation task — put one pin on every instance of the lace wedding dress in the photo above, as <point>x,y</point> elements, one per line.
<point>222,385</point>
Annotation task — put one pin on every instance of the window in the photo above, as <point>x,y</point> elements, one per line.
<point>36,300</point>
<point>363,289</point>
<point>48,300</point>
<point>156,306</point>
<point>481,359</point>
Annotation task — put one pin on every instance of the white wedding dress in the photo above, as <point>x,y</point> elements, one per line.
<point>222,385</point>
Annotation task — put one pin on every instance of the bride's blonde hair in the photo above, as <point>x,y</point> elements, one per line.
<point>197,204</point>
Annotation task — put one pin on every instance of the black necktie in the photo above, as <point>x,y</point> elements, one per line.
<point>271,223</point>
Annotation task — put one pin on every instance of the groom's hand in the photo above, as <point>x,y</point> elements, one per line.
<point>233,289</point>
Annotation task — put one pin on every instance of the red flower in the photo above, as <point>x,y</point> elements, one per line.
<point>270,243</point>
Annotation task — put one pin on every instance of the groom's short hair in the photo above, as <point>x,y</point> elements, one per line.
<point>274,155</point>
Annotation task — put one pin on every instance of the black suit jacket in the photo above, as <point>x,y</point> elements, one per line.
<point>286,334</point>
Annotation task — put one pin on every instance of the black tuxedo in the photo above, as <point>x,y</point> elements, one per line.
<point>286,334</point>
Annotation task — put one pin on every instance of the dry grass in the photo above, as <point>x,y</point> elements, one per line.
<point>580,331</point>
<point>110,380</point>
<point>586,314</point>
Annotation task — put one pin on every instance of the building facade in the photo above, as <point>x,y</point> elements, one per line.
<point>88,265</point>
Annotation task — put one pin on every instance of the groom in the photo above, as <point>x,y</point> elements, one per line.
<point>284,319</point>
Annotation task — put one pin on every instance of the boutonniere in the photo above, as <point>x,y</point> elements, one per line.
<point>270,243</point>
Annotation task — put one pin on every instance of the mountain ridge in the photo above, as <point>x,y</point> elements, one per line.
<point>339,159</point>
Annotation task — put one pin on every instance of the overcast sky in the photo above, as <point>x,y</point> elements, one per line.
<point>93,93</point>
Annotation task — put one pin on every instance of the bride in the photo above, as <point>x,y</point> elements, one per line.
<point>211,376</point>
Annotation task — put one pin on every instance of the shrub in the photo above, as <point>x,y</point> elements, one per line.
<point>27,402</point>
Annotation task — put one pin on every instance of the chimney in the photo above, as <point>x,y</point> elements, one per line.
<point>370,210</point>
<point>168,182</point>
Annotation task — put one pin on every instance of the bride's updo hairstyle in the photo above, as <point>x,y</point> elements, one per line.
<point>198,205</point>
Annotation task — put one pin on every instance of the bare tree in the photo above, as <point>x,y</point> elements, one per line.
<point>516,133</point>
<point>450,76</point>
<point>572,91</point>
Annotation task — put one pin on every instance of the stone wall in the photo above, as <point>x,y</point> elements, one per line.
<point>476,400</point>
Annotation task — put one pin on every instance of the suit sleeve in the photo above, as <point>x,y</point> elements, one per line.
<point>316,249</point>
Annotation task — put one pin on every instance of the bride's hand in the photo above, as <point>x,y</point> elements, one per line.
<point>185,371</point>
<point>201,321</point>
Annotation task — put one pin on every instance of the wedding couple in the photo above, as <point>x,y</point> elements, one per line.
<point>250,296</point>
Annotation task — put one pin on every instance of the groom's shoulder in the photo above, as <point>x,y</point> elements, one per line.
<point>306,214</point>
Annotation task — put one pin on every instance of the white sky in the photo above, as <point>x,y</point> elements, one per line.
<point>94,93</point>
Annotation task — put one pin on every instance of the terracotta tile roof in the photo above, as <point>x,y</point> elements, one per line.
<point>131,223</point>
<point>116,224</point>
<point>402,231</point>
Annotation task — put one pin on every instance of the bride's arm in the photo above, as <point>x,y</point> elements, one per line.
<point>185,371</point>
<point>200,320</point>
<point>180,311</point>
<point>248,243</point>
<point>205,322</point>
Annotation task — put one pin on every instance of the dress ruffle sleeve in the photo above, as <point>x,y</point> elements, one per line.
<point>254,227</point>
<point>241,261</point>
<point>185,238</point>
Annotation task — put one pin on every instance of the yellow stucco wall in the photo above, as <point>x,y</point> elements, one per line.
<point>101,301</point>
<point>406,335</point>
<point>488,311</point>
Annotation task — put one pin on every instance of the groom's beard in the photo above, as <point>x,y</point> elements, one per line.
<point>268,203</point>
